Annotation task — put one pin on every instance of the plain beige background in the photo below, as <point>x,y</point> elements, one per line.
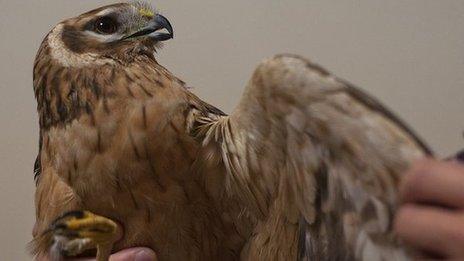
<point>410,54</point>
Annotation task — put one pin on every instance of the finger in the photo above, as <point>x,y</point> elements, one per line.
<point>134,254</point>
<point>129,254</point>
<point>431,230</point>
<point>434,182</point>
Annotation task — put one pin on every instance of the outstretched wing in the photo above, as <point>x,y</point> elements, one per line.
<point>320,152</point>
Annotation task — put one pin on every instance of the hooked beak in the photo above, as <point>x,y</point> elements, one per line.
<point>152,30</point>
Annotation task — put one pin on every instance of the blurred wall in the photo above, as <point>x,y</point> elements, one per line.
<point>410,54</point>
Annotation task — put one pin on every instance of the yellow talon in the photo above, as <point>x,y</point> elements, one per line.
<point>77,231</point>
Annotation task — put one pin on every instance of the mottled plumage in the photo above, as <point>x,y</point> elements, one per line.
<point>306,166</point>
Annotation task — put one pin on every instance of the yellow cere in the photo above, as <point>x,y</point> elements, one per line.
<point>146,12</point>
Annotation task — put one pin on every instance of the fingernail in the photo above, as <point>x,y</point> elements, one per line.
<point>145,255</point>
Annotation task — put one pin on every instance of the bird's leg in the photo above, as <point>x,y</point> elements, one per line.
<point>78,231</point>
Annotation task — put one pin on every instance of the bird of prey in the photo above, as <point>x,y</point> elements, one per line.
<point>305,168</point>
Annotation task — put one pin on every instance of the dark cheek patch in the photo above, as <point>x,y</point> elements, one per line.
<point>78,42</point>
<point>73,39</point>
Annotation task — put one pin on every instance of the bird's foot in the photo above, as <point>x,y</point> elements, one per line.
<point>78,231</point>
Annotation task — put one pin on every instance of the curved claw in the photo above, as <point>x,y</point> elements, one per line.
<point>78,231</point>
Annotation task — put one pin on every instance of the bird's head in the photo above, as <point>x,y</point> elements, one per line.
<point>83,55</point>
<point>114,32</point>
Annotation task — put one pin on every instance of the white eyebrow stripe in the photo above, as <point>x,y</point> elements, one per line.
<point>99,14</point>
<point>105,12</point>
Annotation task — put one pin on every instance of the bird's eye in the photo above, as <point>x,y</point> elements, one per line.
<point>105,25</point>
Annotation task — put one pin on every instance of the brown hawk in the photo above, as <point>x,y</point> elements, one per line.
<point>306,166</point>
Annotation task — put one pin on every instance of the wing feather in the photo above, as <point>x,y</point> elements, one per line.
<point>322,155</point>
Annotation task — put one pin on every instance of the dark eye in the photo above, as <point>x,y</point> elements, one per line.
<point>106,25</point>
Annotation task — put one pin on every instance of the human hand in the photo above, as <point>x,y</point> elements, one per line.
<point>431,218</point>
<point>129,254</point>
